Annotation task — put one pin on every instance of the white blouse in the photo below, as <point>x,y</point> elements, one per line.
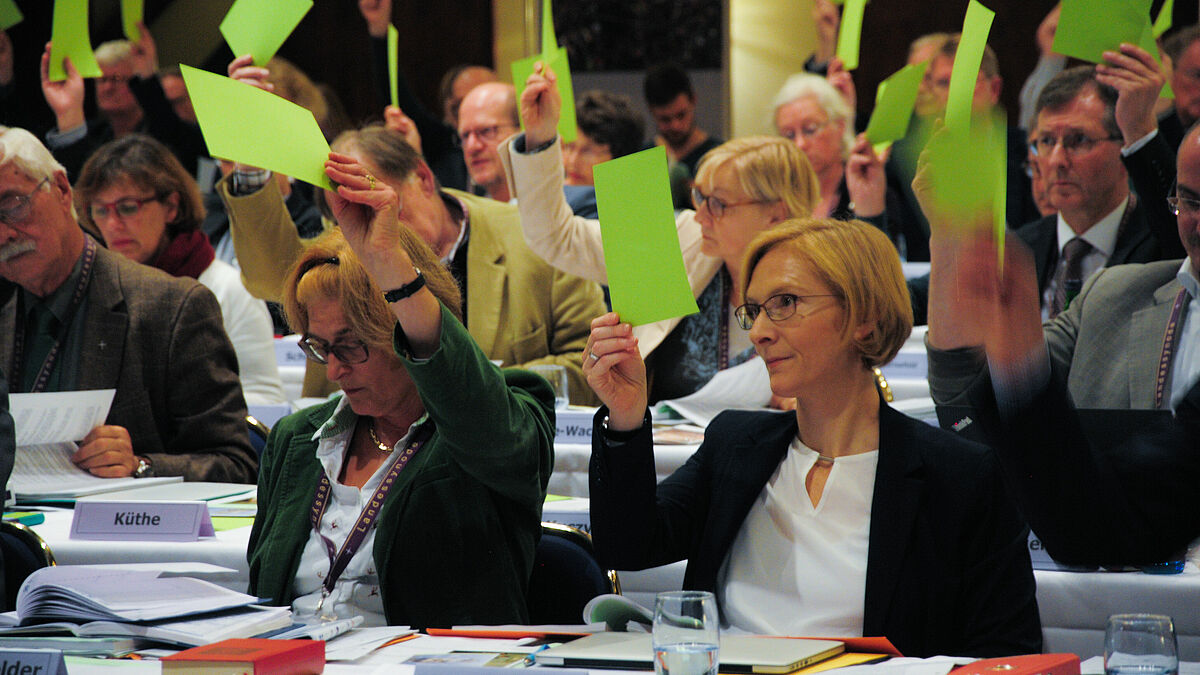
<point>356,591</point>
<point>796,569</point>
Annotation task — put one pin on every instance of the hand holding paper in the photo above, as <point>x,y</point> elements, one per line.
<point>1138,80</point>
<point>541,106</point>
<point>295,145</point>
<point>554,58</point>
<point>616,373</point>
<point>65,97</point>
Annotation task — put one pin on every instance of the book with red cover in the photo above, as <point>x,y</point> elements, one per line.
<point>1029,664</point>
<point>249,656</point>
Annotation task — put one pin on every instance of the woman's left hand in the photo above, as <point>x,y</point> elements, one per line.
<point>865,179</point>
<point>367,209</point>
<point>841,80</point>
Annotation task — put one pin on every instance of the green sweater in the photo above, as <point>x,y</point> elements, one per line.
<point>454,543</point>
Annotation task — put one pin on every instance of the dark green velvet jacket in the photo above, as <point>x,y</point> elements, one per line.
<point>454,543</point>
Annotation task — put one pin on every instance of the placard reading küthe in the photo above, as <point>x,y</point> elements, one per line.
<point>141,521</point>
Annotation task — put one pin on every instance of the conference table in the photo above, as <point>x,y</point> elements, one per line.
<point>1074,605</point>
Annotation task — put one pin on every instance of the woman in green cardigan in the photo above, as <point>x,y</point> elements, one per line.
<point>415,497</point>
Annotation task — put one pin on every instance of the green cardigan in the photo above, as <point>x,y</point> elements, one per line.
<point>454,543</point>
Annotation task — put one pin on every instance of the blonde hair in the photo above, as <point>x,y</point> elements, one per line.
<point>859,264</point>
<point>768,168</point>
<point>329,269</point>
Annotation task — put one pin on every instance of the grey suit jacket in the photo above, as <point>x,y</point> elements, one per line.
<point>160,342</point>
<point>1105,346</point>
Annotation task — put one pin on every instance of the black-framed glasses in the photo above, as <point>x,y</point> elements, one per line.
<point>1074,143</point>
<point>1184,206</point>
<point>349,352</point>
<point>778,308</point>
<point>716,205</point>
<point>14,209</point>
<point>122,208</point>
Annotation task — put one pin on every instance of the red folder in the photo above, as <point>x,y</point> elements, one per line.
<point>249,656</point>
<point>1029,664</point>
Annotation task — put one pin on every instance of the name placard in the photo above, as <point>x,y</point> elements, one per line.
<point>141,521</point>
<point>32,662</point>
<point>908,363</point>
<point>573,426</point>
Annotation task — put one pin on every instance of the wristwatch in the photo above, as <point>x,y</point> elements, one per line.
<point>144,468</point>
<point>398,294</point>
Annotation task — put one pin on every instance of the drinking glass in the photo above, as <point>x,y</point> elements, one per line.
<point>557,377</point>
<point>1140,644</point>
<point>687,633</point>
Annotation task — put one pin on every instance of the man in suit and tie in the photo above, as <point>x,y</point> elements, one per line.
<point>1131,338</point>
<point>1083,150</point>
<point>76,316</point>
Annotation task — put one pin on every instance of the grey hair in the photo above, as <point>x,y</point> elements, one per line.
<point>24,151</point>
<point>113,52</point>
<point>802,85</point>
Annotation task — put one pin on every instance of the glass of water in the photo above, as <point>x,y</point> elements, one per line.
<point>687,633</point>
<point>557,377</point>
<point>1140,644</point>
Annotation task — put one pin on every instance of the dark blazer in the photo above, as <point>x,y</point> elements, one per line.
<point>455,539</point>
<point>1128,504</point>
<point>160,342</point>
<point>1134,244</point>
<point>947,565</point>
<point>8,442</point>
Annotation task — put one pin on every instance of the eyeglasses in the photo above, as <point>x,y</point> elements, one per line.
<point>777,307</point>
<point>717,206</point>
<point>588,149</point>
<point>1074,143</point>
<point>1183,206</point>
<point>484,134</point>
<point>319,350</point>
<point>14,209</point>
<point>807,131</point>
<point>122,208</point>
<point>113,79</point>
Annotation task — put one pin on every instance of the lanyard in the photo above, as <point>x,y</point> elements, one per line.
<point>18,355</point>
<point>1170,337</point>
<point>338,559</point>
<point>723,337</point>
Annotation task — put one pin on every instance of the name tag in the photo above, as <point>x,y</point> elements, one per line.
<point>287,352</point>
<point>573,426</point>
<point>141,521</point>
<point>908,363</point>
<point>31,662</point>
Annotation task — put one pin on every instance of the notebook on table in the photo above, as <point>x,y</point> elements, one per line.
<point>739,653</point>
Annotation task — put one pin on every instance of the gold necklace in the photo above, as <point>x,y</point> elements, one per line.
<point>375,439</point>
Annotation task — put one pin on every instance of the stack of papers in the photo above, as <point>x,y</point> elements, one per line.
<point>99,600</point>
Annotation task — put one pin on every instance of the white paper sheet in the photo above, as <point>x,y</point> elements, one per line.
<point>744,386</point>
<point>58,417</point>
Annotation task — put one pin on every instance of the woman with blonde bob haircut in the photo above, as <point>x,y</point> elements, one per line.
<point>415,496</point>
<point>844,518</point>
<point>742,187</point>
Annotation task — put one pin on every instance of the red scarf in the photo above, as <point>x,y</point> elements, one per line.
<point>188,254</point>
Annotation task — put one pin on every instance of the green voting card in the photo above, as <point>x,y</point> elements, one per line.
<point>393,44</point>
<point>267,131</point>
<point>1162,23</point>
<point>1088,28</point>
<point>646,277</point>
<point>260,27</point>
<point>132,13</point>
<point>556,58</point>
<point>850,33</point>
<point>10,14</point>
<point>70,38</point>
<point>976,26</point>
<point>894,101</point>
<point>967,170</point>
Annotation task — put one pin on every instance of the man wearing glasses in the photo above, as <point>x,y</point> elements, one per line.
<point>81,317</point>
<point>1130,338</point>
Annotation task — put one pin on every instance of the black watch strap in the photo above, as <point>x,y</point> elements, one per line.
<point>398,294</point>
